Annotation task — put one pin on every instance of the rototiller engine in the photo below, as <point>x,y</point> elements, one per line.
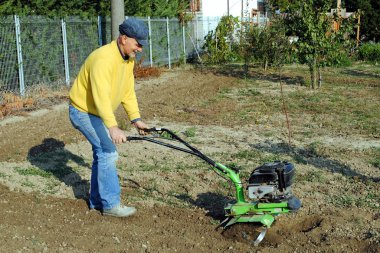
<point>269,187</point>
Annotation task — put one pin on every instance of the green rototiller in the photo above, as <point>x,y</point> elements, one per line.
<point>269,187</point>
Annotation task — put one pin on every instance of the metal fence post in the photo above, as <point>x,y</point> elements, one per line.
<point>196,31</point>
<point>150,43</point>
<point>208,24</point>
<point>100,40</point>
<point>65,54</point>
<point>19,55</point>
<point>168,36</point>
<point>184,43</point>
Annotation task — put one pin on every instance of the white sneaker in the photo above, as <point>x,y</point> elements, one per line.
<point>120,211</point>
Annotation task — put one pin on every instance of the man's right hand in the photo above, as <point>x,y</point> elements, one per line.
<point>117,135</point>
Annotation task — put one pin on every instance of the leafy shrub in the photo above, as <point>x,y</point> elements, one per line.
<point>369,52</point>
<point>340,59</point>
<point>268,46</point>
<point>220,45</point>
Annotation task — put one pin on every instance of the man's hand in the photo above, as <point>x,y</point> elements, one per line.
<point>140,126</point>
<point>117,135</point>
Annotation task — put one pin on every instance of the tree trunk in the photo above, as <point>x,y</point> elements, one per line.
<point>319,78</point>
<point>313,73</point>
<point>266,65</point>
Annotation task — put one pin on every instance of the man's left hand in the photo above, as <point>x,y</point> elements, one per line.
<point>141,127</point>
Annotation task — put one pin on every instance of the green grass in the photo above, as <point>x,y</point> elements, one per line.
<point>249,92</point>
<point>311,176</point>
<point>370,201</point>
<point>152,185</point>
<point>51,187</point>
<point>300,159</point>
<point>247,154</point>
<point>375,162</point>
<point>314,148</point>
<point>223,93</point>
<point>148,167</point>
<point>342,201</point>
<point>256,156</point>
<point>32,171</point>
<point>190,132</point>
<point>245,114</point>
<point>347,103</point>
<point>198,165</point>
<point>27,183</point>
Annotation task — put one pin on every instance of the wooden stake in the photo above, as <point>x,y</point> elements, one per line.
<point>338,7</point>
<point>358,31</point>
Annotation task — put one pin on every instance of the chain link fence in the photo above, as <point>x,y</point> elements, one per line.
<point>36,50</point>
<point>9,77</point>
<point>82,39</point>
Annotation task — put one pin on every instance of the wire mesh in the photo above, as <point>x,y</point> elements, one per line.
<point>190,40</point>
<point>105,30</point>
<point>144,57</point>
<point>176,44</point>
<point>82,39</point>
<point>43,46</point>
<point>9,80</point>
<point>195,33</point>
<point>159,42</point>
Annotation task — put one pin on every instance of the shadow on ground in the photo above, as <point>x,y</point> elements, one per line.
<point>309,156</point>
<point>51,156</point>
<point>359,73</point>
<point>255,74</point>
<point>212,202</point>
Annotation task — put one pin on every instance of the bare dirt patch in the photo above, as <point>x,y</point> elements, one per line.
<point>45,170</point>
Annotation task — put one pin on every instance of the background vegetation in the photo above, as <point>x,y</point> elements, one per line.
<point>369,21</point>
<point>370,52</point>
<point>306,35</point>
<point>306,25</point>
<point>369,27</point>
<point>221,45</point>
<point>91,8</point>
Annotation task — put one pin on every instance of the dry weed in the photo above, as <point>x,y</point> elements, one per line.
<point>37,97</point>
<point>140,71</point>
<point>12,103</point>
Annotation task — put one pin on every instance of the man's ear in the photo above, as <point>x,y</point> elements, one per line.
<point>122,41</point>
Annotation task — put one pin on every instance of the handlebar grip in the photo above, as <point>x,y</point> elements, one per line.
<point>153,129</point>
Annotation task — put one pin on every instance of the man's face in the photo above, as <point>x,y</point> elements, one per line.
<point>130,46</point>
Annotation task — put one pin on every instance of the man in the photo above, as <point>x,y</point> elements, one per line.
<point>105,80</point>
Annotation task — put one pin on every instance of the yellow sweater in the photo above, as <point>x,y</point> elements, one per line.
<point>105,80</point>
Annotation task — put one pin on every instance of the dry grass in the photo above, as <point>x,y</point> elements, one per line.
<point>142,72</point>
<point>12,103</point>
<point>42,96</point>
<point>37,97</point>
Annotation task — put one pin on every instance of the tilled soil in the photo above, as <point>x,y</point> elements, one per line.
<point>45,171</point>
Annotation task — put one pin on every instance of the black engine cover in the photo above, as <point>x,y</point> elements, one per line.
<point>277,172</point>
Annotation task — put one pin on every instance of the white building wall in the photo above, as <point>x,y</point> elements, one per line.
<point>218,8</point>
<point>213,10</point>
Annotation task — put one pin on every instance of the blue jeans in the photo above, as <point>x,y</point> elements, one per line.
<point>105,188</point>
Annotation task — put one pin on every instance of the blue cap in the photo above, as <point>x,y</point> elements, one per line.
<point>135,28</point>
